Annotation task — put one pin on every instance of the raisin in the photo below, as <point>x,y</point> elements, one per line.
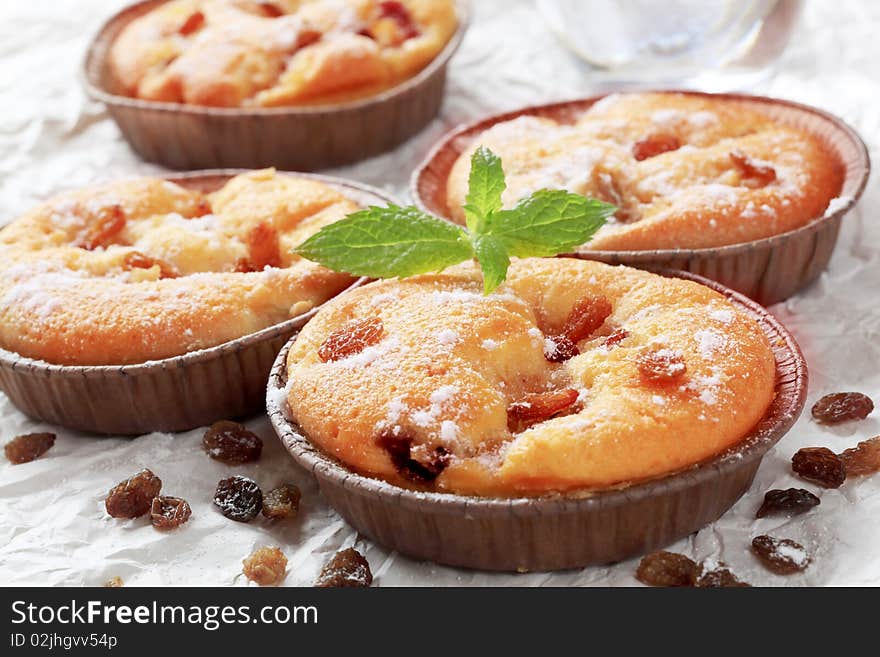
<point>351,339</point>
<point>819,465</point>
<point>862,459</point>
<point>780,555</point>
<point>753,174</point>
<point>422,463</point>
<point>560,349</point>
<point>539,406</point>
<point>281,502</point>
<point>347,568</point>
<point>655,144</point>
<point>393,25</point>
<point>232,443</point>
<point>667,569</point>
<point>193,23</point>
<point>202,208</point>
<point>105,226</point>
<point>133,497</point>
<point>26,448</point>
<point>137,260</point>
<point>266,566</point>
<point>113,583</point>
<point>239,498</point>
<point>169,512</point>
<point>616,337</point>
<point>587,316</point>
<point>720,577</point>
<point>270,9</point>
<point>791,501</point>
<point>662,366</point>
<point>842,406</point>
<point>264,250</point>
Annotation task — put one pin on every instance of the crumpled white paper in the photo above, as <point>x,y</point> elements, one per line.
<point>53,529</point>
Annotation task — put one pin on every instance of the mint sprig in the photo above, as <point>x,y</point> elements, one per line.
<point>404,241</point>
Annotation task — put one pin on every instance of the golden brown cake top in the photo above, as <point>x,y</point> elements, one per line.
<point>229,53</point>
<point>145,269</point>
<point>572,375</point>
<point>685,171</point>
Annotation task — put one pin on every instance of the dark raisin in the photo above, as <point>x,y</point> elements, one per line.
<point>239,498</point>
<point>560,349</point>
<point>347,568</point>
<point>791,501</point>
<point>169,512</point>
<point>539,406</point>
<point>113,583</point>
<point>266,566</point>
<point>862,459</point>
<point>752,173</point>
<point>841,407</point>
<point>819,465</point>
<point>351,339</point>
<point>661,366</point>
<point>780,555</point>
<point>193,23</point>
<point>667,569</point>
<point>108,223</point>
<point>232,443</point>
<point>719,577</point>
<point>422,463</point>
<point>616,337</point>
<point>281,502</point>
<point>133,497</point>
<point>586,317</point>
<point>654,145</point>
<point>26,448</point>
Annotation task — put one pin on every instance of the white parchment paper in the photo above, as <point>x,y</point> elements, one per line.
<point>53,529</point>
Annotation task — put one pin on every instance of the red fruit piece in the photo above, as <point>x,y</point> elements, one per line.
<point>539,406</point>
<point>616,337</point>
<point>347,568</point>
<point>667,569</point>
<point>193,23</point>
<point>661,367</point>
<point>780,555</point>
<point>108,223</point>
<point>841,407</point>
<point>560,349</point>
<point>753,174</point>
<point>654,145</point>
<point>264,250</point>
<point>351,339</point>
<point>819,465</point>
<point>862,459</point>
<point>393,25</point>
<point>133,497</point>
<point>270,9</point>
<point>586,317</point>
<point>26,448</point>
<point>169,512</point>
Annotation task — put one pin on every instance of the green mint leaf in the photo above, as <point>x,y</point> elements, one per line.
<point>387,242</point>
<point>485,186</point>
<point>548,222</point>
<point>493,260</point>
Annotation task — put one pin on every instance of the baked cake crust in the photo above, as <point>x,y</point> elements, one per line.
<point>452,368</point>
<point>685,171</point>
<point>230,53</point>
<point>144,269</point>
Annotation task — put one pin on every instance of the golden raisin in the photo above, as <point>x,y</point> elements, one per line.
<point>282,502</point>
<point>819,465</point>
<point>841,407</point>
<point>108,223</point>
<point>133,497</point>
<point>420,463</point>
<point>654,145</point>
<point>586,317</point>
<point>539,406</point>
<point>169,512</point>
<point>26,448</point>
<point>137,260</point>
<point>862,459</point>
<point>661,366</point>
<point>667,569</point>
<point>351,339</point>
<point>266,566</point>
<point>232,443</point>
<point>753,174</point>
<point>780,555</point>
<point>347,568</point>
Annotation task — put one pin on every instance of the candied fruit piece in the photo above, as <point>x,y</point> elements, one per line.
<point>719,577</point>
<point>841,407</point>
<point>862,459</point>
<point>264,250</point>
<point>586,317</point>
<point>791,501</point>
<point>281,502</point>
<point>27,447</point>
<point>420,463</point>
<point>113,583</point>
<point>539,406</point>
<point>617,336</point>
<point>347,568</point>
<point>667,569</point>
<point>108,223</point>
<point>559,349</point>
<point>780,555</point>
<point>133,497</point>
<point>752,172</point>
<point>232,443</point>
<point>239,498</point>
<point>169,512</point>
<point>654,145</point>
<point>137,260</point>
<point>662,366</point>
<point>266,566</point>
<point>351,339</point>
<point>819,465</point>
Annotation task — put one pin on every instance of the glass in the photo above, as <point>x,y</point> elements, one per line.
<point>724,43</point>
